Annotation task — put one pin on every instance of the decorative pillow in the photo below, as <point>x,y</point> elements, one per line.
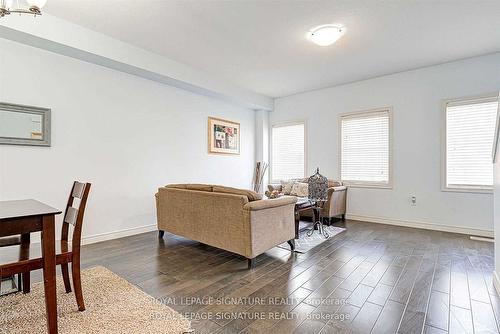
<point>286,187</point>
<point>275,187</point>
<point>300,189</point>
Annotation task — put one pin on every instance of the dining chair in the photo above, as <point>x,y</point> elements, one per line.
<point>73,216</point>
<point>12,241</point>
<point>22,241</point>
<point>75,209</point>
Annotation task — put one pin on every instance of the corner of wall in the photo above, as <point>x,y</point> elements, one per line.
<point>496,281</point>
<point>262,139</point>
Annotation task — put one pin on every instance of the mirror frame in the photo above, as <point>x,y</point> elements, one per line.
<point>44,112</point>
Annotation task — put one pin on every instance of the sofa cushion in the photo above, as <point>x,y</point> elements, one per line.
<point>300,189</point>
<point>250,194</point>
<point>286,187</point>
<point>192,186</point>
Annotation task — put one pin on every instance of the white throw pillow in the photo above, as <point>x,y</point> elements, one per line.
<point>300,189</point>
<point>286,187</point>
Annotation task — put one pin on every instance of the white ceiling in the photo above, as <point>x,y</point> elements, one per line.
<point>261,45</point>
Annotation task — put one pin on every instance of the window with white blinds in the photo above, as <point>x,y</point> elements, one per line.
<point>470,128</point>
<point>287,152</point>
<point>366,148</point>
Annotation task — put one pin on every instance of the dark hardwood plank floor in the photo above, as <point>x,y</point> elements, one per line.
<point>373,278</point>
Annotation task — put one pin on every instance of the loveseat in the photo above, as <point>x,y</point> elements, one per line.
<point>333,207</point>
<point>236,220</point>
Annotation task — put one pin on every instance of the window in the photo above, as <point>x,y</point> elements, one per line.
<point>287,151</point>
<point>365,152</point>
<point>470,128</point>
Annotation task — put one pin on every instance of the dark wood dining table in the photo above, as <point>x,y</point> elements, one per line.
<point>23,217</point>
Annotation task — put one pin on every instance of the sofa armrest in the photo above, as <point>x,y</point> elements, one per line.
<point>269,222</point>
<point>336,203</point>
<point>269,203</point>
<point>334,189</point>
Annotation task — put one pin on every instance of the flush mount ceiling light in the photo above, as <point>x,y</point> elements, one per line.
<point>326,34</point>
<point>33,7</point>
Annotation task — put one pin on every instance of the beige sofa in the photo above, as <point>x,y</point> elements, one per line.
<point>335,204</point>
<point>236,220</point>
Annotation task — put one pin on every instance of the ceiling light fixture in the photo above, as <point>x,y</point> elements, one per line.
<point>326,34</point>
<point>33,7</point>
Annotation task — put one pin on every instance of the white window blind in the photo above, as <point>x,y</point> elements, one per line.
<point>470,128</point>
<point>288,152</point>
<point>365,148</point>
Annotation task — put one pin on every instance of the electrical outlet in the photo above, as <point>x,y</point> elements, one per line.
<point>413,200</point>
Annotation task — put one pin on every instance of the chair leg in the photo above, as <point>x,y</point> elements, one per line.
<point>24,255</point>
<point>343,217</point>
<point>77,283</point>
<point>26,282</point>
<point>65,275</point>
<point>160,234</point>
<point>291,242</point>
<point>19,283</point>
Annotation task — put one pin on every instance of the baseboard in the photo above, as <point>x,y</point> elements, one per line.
<point>90,239</point>
<point>496,281</point>
<point>422,225</point>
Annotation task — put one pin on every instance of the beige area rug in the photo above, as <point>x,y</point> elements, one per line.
<point>113,305</point>
<point>305,243</point>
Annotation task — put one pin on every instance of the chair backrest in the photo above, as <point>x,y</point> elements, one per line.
<point>73,215</point>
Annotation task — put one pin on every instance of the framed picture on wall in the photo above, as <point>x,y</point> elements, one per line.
<point>223,136</point>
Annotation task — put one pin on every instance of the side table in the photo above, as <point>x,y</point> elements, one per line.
<point>318,222</point>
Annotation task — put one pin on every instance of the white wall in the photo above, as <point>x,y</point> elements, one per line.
<point>126,135</point>
<point>416,97</point>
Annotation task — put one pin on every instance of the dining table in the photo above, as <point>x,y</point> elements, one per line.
<point>23,217</point>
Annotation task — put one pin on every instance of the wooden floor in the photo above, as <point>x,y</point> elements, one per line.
<point>372,278</point>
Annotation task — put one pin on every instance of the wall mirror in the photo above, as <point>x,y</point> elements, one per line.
<point>24,125</point>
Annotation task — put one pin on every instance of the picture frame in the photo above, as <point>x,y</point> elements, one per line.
<point>24,125</point>
<point>223,136</point>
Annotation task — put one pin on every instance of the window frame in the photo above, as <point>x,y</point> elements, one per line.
<point>444,141</point>
<point>271,155</point>
<point>368,184</point>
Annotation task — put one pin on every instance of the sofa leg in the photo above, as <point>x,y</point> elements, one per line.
<point>251,263</point>
<point>343,217</point>
<point>160,234</point>
<point>291,242</point>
